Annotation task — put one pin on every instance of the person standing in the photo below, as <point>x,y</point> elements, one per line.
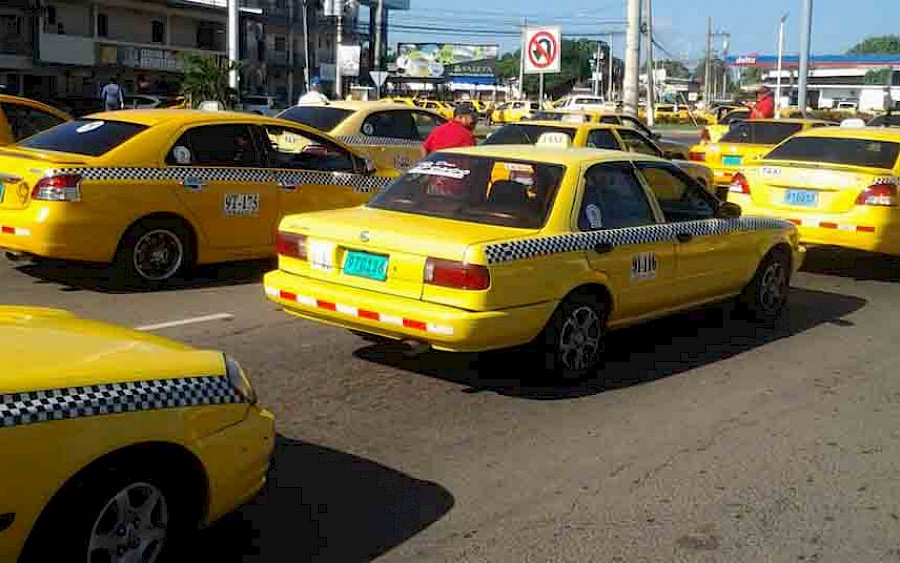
<point>455,133</point>
<point>111,96</point>
<point>764,108</point>
<point>315,95</point>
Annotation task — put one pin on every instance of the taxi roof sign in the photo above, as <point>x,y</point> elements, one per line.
<point>853,123</point>
<point>554,139</point>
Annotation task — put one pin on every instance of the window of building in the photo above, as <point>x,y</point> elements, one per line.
<point>158,32</point>
<point>280,44</point>
<point>206,35</point>
<point>51,15</point>
<point>102,25</point>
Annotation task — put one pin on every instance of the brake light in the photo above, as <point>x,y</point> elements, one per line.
<point>697,156</point>
<point>739,184</point>
<point>62,187</point>
<point>704,136</point>
<point>458,275</point>
<point>882,195</point>
<point>291,245</point>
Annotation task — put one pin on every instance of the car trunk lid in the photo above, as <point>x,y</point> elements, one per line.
<point>21,169</point>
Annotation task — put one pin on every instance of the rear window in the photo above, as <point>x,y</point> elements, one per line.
<point>763,133</point>
<point>89,137</point>
<point>852,152</point>
<point>548,116</point>
<point>321,118</point>
<point>256,100</point>
<point>476,190</point>
<point>883,121</point>
<point>516,134</point>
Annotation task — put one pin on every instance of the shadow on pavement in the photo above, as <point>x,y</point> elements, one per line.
<point>79,276</point>
<point>323,505</point>
<point>854,264</point>
<point>634,355</point>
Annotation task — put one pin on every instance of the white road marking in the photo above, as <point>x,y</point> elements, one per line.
<point>190,321</point>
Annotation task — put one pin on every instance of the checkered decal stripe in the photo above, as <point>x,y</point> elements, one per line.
<point>17,409</point>
<point>361,184</point>
<point>573,242</point>
<point>379,141</point>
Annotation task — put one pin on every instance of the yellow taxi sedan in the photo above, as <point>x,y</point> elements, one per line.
<point>747,141</point>
<point>515,111</point>
<point>21,118</point>
<point>840,186</point>
<point>157,191</point>
<point>390,134</point>
<point>116,444</point>
<point>497,246</point>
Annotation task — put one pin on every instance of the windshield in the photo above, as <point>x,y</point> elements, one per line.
<point>89,137</point>
<point>760,133</point>
<point>851,152</point>
<point>476,190</point>
<point>520,134</point>
<point>882,121</point>
<point>323,118</point>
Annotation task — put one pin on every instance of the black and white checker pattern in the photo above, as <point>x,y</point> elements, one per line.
<point>364,140</point>
<point>17,409</point>
<point>586,241</point>
<point>360,184</point>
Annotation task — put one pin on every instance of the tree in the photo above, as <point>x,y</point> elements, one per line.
<point>675,69</point>
<point>751,75</point>
<point>878,45</point>
<point>880,76</point>
<point>717,65</point>
<point>206,78</point>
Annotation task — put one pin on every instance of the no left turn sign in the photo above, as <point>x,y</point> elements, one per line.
<point>542,50</point>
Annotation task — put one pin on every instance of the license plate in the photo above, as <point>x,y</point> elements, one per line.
<point>236,205</point>
<point>2,192</point>
<point>731,160</point>
<point>803,198</point>
<point>365,265</point>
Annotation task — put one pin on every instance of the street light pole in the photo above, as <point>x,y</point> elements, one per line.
<point>339,37</point>
<point>609,56</point>
<point>233,45</point>
<point>631,84</point>
<point>780,57</point>
<point>805,34</point>
<point>522,60</point>
<point>651,97</point>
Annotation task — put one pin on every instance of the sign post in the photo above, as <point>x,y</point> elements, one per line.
<point>378,77</point>
<point>542,54</point>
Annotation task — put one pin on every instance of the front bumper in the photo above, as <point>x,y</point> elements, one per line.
<point>402,318</point>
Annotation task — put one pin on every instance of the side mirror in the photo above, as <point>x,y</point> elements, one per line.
<point>728,210</point>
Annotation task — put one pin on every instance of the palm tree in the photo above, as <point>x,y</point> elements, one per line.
<point>206,78</point>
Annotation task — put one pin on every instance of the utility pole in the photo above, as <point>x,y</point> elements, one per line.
<point>306,45</point>
<point>522,60</point>
<point>379,18</point>
<point>707,71</point>
<point>726,39</point>
<point>780,57</point>
<point>339,36</point>
<point>290,42</point>
<point>632,58</point>
<point>805,34</point>
<point>596,77</point>
<point>651,97</point>
<point>609,86</point>
<point>233,44</point>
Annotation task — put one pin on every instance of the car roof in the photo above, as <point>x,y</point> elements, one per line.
<point>868,133</point>
<point>358,105</point>
<point>549,154</point>
<point>35,104</point>
<point>800,120</point>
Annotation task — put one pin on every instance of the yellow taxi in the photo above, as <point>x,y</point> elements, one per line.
<point>747,141</point>
<point>156,191</point>
<point>593,135</point>
<point>443,109</point>
<point>21,118</point>
<point>390,134</point>
<point>721,122</point>
<point>116,443</point>
<point>515,111</point>
<point>840,186</point>
<point>570,243</point>
<point>412,102</point>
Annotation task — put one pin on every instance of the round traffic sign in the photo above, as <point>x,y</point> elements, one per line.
<point>542,50</point>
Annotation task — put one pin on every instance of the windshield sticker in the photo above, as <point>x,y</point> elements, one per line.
<point>441,168</point>
<point>88,127</point>
<point>592,212</point>
<point>182,155</point>
<point>644,266</point>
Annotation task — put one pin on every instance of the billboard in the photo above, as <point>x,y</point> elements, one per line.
<point>446,60</point>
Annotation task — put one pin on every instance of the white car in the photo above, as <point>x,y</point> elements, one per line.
<point>583,102</point>
<point>263,105</point>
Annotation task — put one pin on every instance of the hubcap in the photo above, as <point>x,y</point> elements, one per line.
<point>773,286</point>
<point>158,255</point>
<point>131,528</point>
<point>580,339</point>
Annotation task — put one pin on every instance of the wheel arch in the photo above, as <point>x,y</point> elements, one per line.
<point>193,244</point>
<point>594,289</point>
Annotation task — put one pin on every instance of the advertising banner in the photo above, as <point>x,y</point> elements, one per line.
<point>446,60</point>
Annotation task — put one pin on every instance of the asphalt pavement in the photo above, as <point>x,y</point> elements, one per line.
<point>704,438</point>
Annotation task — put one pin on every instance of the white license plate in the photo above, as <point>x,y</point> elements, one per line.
<point>241,204</point>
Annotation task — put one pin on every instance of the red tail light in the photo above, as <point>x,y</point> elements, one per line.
<point>458,275</point>
<point>882,195</point>
<point>63,187</point>
<point>697,156</point>
<point>704,136</point>
<point>291,245</point>
<point>739,184</point>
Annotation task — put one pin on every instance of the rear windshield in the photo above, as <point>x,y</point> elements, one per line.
<point>882,121</point>
<point>90,137</point>
<point>516,134</point>
<point>476,190</point>
<point>256,100</point>
<point>548,116</point>
<point>764,133</point>
<point>852,152</point>
<point>319,117</point>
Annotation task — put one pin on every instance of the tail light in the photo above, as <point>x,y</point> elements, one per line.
<point>739,184</point>
<point>697,156</point>
<point>62,187</point>
<point>704,136</point>
<point>291,245</point>
<point>458,275</point>
<point>883,195</point>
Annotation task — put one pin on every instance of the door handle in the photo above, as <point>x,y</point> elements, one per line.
<point>193,184</point>
<point>287,186</point>
<point>604,247</point>
<point>684,237</point>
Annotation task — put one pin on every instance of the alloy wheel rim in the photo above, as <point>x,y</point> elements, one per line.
<point>131,527</point>
<point>158,254</point>
<point>772,288</point>
<point>579,339</point>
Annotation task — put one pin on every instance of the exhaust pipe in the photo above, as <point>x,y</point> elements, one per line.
<point>413,348</point>
<point>16,256</point>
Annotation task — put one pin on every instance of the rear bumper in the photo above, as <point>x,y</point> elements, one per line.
<point>870,230</point>
<point>57,230</point>
<point>402,318</point>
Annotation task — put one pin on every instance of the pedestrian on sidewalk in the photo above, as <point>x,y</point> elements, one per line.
<point>111,95</point>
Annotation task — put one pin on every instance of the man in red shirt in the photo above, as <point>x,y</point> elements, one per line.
<point>455,133</point>
<point>764,108</point>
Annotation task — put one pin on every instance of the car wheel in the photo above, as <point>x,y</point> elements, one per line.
<point>766,296</point>
<point>574,337</point>
<point>153,251</point>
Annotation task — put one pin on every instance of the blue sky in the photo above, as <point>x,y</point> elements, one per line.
<point>680,25</point>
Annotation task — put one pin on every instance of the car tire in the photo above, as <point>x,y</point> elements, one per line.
<point>574,337</point>
<point>83,521</point>
<point>766,296</point>
<point>153,252</point>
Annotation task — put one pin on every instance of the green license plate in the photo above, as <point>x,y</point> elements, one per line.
<point>731,160</point>
<point>365,265</point>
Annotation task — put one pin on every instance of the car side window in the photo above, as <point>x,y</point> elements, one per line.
<point>635,142</point>
<point>610,119</point>
<point>679,196</point>
<point>636,124</point>
<point>426,123</point>
<point>613,199</point>
<point>602,139</point>
<point>295,150</point>
<point>216,145</point>
<point>25,121</point>
<point>393,124</point>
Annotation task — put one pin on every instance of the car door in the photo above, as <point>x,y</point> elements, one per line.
<point>602,139</point>
<point>710,251</point>
<point>311,173</point>
<point>637,143</point>
<point>24,121</point>
<point>222,181</point>
<point>631,250</point>
<point>392,139</point>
